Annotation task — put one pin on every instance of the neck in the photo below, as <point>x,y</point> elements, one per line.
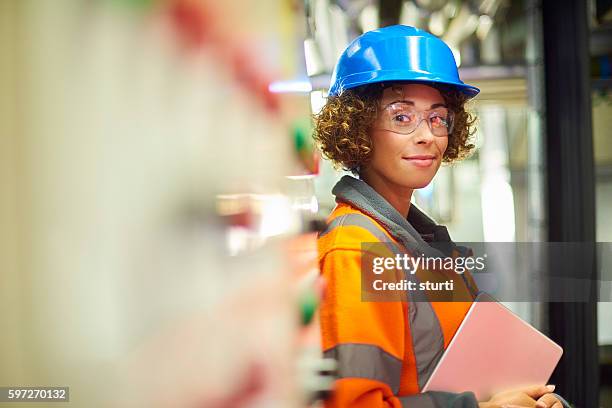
<point>398,196</point>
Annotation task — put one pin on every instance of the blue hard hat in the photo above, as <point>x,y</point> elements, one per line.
<point>397,53</point>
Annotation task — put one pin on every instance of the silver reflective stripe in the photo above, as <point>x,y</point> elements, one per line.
<point>367,361</point>
<point>425,329</point>
<point>361,221</point>
<point>427,339</point>
<point>356,220</point>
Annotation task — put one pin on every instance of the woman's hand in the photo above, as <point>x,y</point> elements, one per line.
<point>550,401</point>
<point>536,396</point>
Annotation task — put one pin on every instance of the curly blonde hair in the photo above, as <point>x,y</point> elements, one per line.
<point>342,127</point>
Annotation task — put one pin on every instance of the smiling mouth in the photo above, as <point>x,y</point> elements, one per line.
<point>424,160</point>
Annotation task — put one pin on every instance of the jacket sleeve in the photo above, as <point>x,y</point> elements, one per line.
<point>438,399</point>
<point>368,341</point>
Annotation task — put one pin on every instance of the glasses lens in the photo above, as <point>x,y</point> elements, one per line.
<point>403,118</point>
<point>440,121</point>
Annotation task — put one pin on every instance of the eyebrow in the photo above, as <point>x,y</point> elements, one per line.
<point>435,105</point>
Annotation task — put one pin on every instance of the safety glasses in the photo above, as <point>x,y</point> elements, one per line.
<point>399,117</point>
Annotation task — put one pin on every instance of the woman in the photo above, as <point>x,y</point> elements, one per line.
<point>395,112</point>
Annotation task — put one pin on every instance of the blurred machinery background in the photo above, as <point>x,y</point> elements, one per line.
<point>160,192</point>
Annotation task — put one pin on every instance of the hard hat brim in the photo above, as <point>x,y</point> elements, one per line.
<point>367,78</point>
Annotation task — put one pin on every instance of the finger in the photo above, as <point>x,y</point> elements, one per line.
<point>536,391</point>
<point>513,406</point>
<point>557,405</point>
<point>547,400</point>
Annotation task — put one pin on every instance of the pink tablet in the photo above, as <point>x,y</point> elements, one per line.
<point>494,350</point>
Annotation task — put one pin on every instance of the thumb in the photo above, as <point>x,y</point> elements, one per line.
<point>536,391</point>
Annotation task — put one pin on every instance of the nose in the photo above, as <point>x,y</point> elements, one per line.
<point>422,134</point>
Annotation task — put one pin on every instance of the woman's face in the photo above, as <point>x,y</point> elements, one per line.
<point>406,160</point>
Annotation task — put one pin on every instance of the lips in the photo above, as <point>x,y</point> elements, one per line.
<point>420,160</point>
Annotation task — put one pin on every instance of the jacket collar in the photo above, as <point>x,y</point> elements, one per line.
<point>413,233</point>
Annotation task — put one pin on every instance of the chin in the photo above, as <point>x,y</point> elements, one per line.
<point>417,182</point>
<point>421,184</point>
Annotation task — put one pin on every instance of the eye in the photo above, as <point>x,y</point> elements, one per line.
<point>437,120</point>
<point>404,117</point>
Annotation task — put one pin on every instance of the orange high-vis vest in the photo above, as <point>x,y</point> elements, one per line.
<point>386,350</point>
